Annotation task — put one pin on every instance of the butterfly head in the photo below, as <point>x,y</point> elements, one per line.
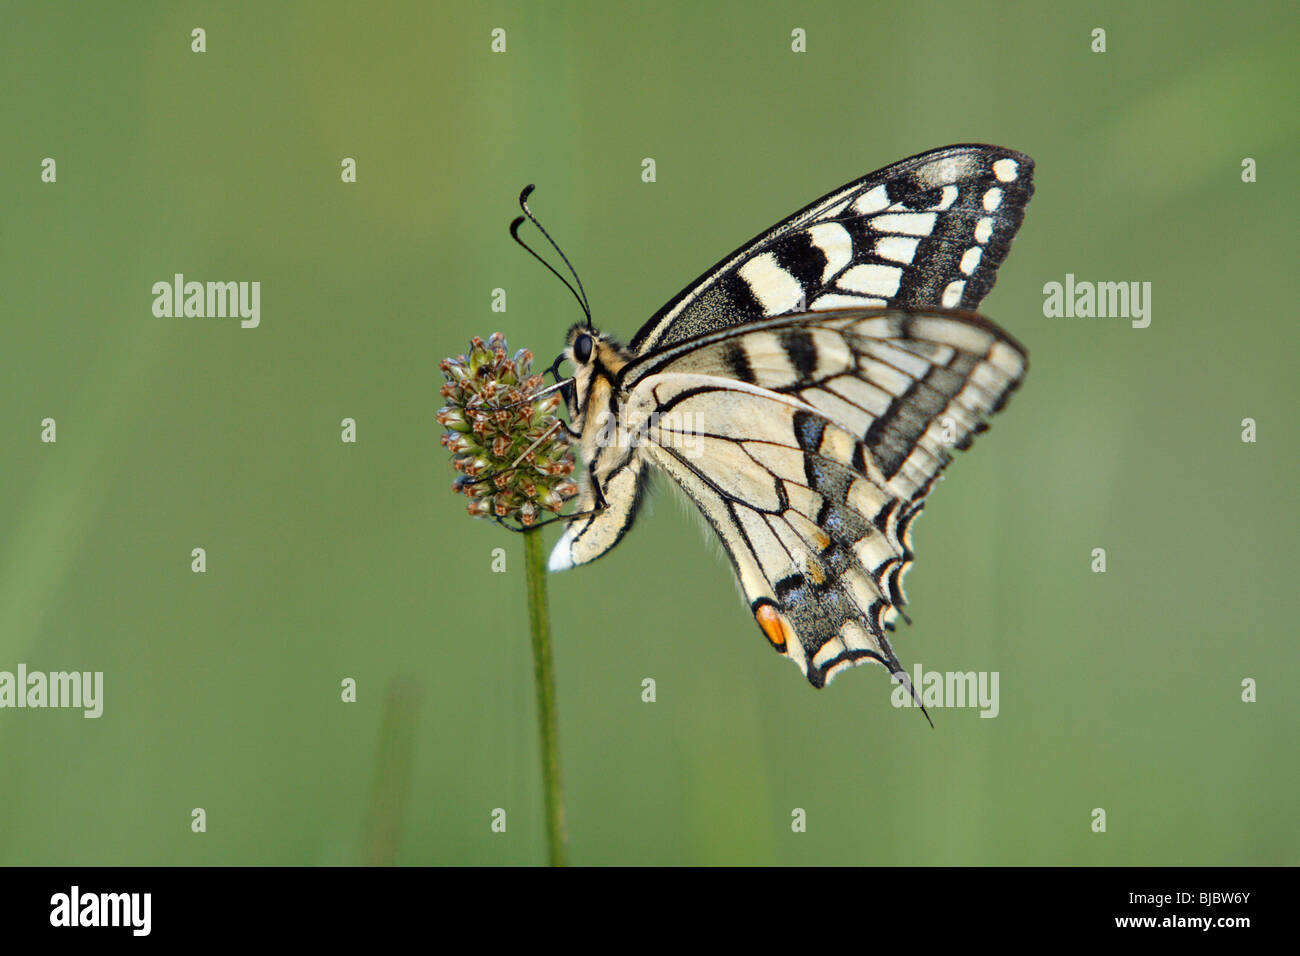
<point>596,359</point>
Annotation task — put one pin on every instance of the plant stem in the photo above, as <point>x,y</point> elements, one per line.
<point>539,618</point>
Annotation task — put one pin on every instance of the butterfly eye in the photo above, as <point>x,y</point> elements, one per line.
<point>582,349</point>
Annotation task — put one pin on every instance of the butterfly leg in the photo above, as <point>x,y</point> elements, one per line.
<point>566,390</point>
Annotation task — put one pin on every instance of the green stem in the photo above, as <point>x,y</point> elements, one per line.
<point>539,619</point>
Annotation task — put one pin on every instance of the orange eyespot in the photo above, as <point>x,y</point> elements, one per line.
<point>773,625</point>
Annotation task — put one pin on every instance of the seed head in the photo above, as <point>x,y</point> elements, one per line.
<point>511,451</point>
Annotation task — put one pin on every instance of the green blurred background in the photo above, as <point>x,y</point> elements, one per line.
<point>326,560</point>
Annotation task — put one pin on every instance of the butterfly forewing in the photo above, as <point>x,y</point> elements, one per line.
<point>926,232</point>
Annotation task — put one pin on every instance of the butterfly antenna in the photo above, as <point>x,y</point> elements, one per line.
<point>514,231</point>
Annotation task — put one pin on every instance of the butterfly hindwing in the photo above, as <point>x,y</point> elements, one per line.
<point>926,232</point>
<point>795,550</point>
<point>597,530</point>
<point>910,385</point>
<point>610,464</point>
<point>813,467</point>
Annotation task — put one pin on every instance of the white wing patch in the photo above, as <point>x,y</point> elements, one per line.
<point>874,280</point>
<point>875,200</point>
<point>776,290</point>
<point>897,248</point>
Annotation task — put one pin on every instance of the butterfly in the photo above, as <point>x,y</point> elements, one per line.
<point>805,393</point>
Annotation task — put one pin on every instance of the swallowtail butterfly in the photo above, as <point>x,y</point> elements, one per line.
<point>804,394</point>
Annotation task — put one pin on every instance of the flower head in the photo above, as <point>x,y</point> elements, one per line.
<point>511,450</point>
